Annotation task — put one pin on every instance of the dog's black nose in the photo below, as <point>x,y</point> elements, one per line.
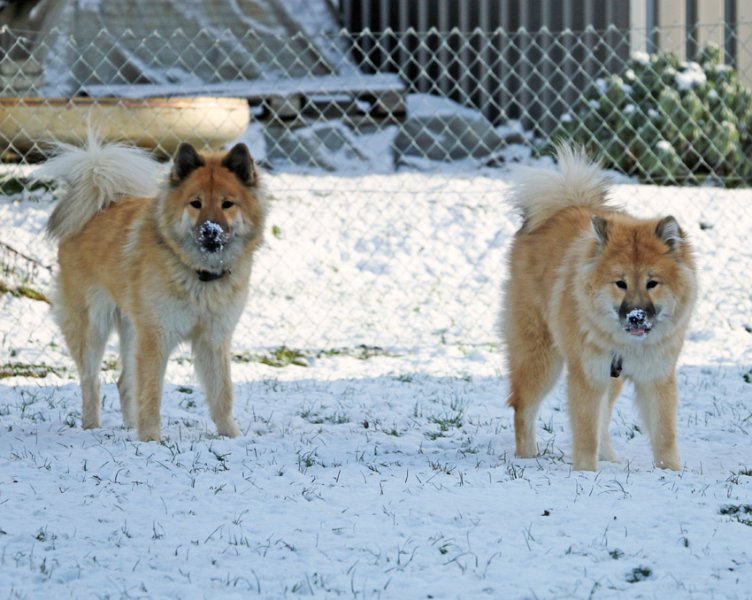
<point>211,236</point>
<point>637,316</point>
<point>210,230</point>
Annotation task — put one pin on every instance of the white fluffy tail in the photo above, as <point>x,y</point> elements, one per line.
<point>540,193</point>
<point>97,175</point>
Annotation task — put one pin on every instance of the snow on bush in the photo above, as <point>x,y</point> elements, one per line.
<point>667,121</point>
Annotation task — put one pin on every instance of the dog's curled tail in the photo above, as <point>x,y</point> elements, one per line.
<point>97,175</point>
<point>540,193</point>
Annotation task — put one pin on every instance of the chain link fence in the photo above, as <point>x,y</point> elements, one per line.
<point>388,159</point>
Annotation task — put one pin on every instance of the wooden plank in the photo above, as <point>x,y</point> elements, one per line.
<point>258,89</point>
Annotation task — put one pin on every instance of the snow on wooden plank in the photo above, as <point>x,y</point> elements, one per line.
<point>258,89</point>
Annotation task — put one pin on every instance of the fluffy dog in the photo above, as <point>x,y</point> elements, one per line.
<point>608,294</point>
<point>161,261</point>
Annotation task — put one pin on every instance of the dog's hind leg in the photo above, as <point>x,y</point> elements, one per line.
<point>127,381</point>
<point>86,324</point>
<point>212,363</point>
<point>534,367</point>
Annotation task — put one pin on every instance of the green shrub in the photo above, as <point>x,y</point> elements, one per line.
<point>667,122</point>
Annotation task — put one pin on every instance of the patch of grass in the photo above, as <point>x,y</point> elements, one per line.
<point>633,431</point>
<point>284,356</point>
<point>306,460</point>
<point>440,467</point>
<point>11,185</point>
<point>404,378</point>
<point>277,232</point>
<point>739,512</point>
<point>316,418</point>
<point>185,390</point>
<point>277,357</point>
<point>736,476</point>
<point>361,352</point>
<point>446,423</point>
<point>39,371</point>
<point>110,364</point>
<point>638,574</point>
<point>23,291</point>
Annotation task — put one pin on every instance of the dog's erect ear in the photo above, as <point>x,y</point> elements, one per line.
<point>669,232</point>
<point>240,162</point>
<point>600,227</point>
<point>186,161</point>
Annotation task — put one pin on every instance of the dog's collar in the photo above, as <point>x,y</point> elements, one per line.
<point>210,275</point>
<point>616,366</point>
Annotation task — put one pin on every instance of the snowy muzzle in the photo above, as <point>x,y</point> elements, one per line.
<point>637,322</point>
<point>211,237</point>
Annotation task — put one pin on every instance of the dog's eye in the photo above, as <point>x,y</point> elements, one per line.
<point>227,204</point>
<point>622,285</point>
<point>651,284</point>
<point>195,203</point>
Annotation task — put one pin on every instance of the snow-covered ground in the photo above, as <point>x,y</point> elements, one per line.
<point>381,463</point>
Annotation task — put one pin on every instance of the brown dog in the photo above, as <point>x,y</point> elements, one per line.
<point>607,294</point>
<point>162,264</point>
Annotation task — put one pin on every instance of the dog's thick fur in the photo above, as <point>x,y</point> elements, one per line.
<point>605,293</point>
<point>161,259</point>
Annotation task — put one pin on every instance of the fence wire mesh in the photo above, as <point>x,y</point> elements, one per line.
<point>388,159</point>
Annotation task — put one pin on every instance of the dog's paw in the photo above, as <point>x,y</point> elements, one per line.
<point>229,429</point>
<point>670,463</point>
<point>526,449</point>
<point>585,463</point>
<point>149,434</point>
<point>91,423</point>
<point>608,455</point>
<point>129,416</point>
<point>129,421</point>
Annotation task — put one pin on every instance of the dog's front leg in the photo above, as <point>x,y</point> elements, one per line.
<point>212,362</point>
<point>606,450</point>
<point>151,360</point>
<point>658,402</point>
<point>585,405</point>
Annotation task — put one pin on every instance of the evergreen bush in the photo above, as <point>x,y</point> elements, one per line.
<point>668,122</point>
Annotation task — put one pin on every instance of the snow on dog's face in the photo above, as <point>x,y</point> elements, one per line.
<point>213,207</point>
<point>643,278</point>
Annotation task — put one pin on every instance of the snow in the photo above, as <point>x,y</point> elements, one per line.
<point>384,468</point>
<point>690,77</point>
<point>430,105</point>
<point>211,235</point>
<point>641,58</point>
